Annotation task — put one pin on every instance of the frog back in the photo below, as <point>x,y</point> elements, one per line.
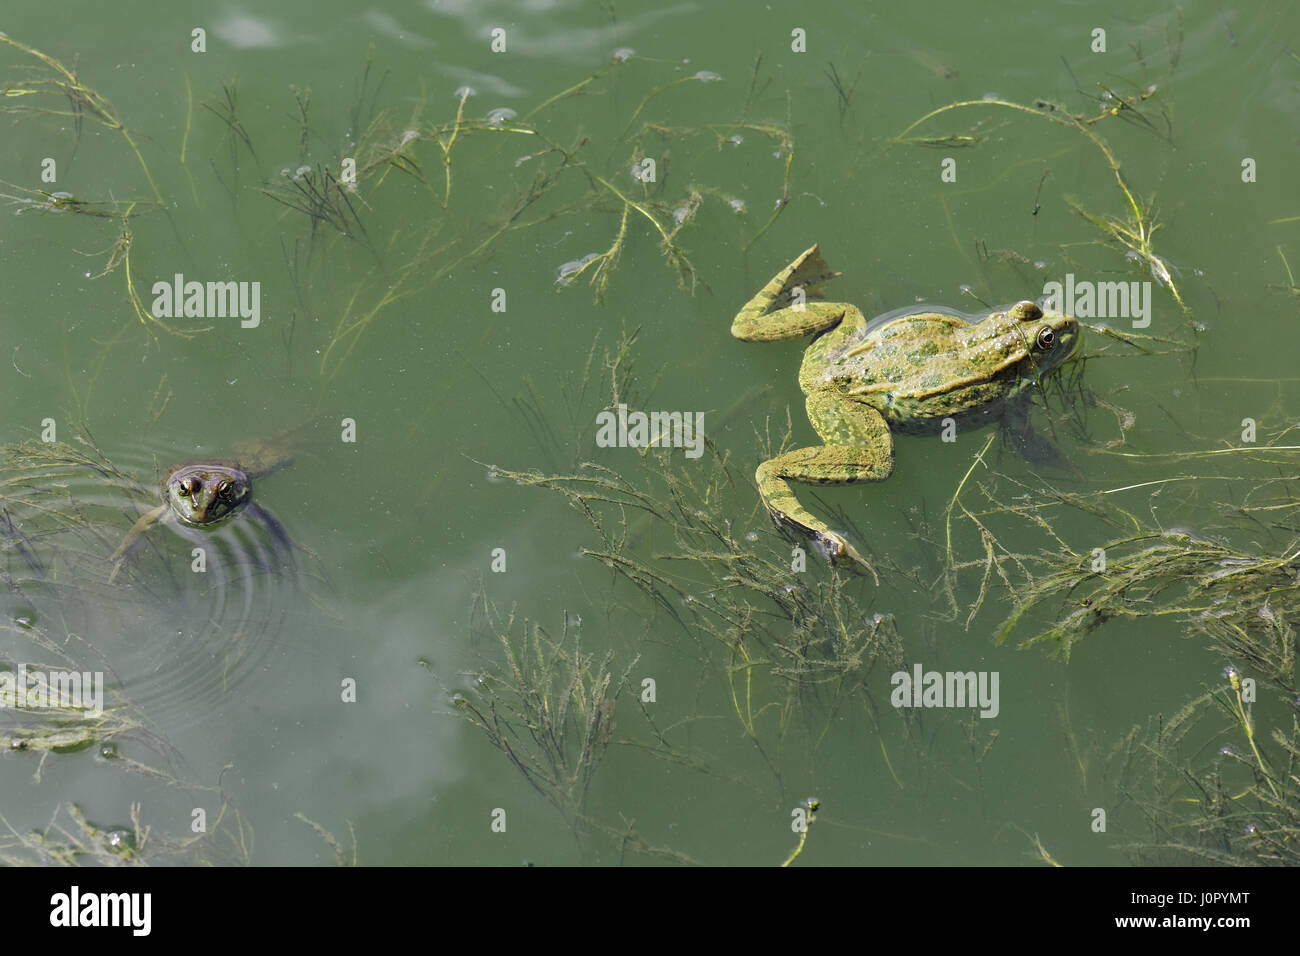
<point>259,458</point>
<point>920,365</point>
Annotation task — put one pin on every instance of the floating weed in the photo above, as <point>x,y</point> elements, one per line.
<point>1217,781</point>
<point>227,110</point>
<point>1203,801</point>
<point>72,839</point>
<point>778,636</point>
<point>1290,277</point>
<point>319,195</point>
<point>549,709</point>
<point>339,199</point>
<point>118,253</point>
<point>43,202</point>
<point>59,82</point>
<point>1133,232</point>
<point>342,856</point>
<point>78,842</point>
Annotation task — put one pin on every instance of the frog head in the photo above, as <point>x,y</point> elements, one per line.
<point>203,493</point>
<point>1048,338</point>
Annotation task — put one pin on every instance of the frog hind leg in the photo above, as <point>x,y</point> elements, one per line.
<point>859,447</point>
<point>142,524</point>
<point>773,314</point>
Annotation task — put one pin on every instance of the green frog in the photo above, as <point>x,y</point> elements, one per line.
<point>902,372</point>
<point>207,493</point>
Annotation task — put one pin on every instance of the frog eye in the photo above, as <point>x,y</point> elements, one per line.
<point>188,487</point>
<point>1046,338</point>
<point>224,488</point>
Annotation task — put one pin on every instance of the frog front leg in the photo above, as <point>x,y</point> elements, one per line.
<point>858,447</point>
<point>143,524</point>
<point>773,314</point>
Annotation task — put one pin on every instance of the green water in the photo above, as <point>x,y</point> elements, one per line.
<point>402,523</point>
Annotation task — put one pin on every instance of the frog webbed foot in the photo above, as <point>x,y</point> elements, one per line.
<point>839,552</point>
<point>779,312</point>
<point>808,272</point>
<point>1018,432</point>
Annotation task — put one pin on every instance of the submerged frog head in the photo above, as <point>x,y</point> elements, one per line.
<point>205,492</point>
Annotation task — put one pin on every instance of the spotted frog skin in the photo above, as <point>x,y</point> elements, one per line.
<point>208,493</point>
<point>904,373</point>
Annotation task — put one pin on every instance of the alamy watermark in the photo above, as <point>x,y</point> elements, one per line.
<point>208,300</point>
<point>645,429</point>
<point>1100,300</point>
<point>25,689</point>
<point>923,688</point>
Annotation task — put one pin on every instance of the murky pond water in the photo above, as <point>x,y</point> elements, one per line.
<point>456,235</point>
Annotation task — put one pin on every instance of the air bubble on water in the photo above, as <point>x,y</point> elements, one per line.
<point>735,140</point>
<point>1040,264</point>
<point>707,76</point>
<point>1227,752</point>
<point>500,115</point>
<point>737,206</point>
<point>407,136</point>
<point>301,171</point>
<point>1230,672</point>
<point>622,54</point>
<point>751,536</point>
<point>965,287</point>
<point>680,214</point>
<point>466,91</point>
